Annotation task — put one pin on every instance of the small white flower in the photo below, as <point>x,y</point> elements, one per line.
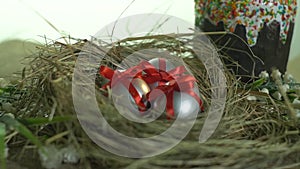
<point>276,74</point>
<point>288,78</point>
<point>264,74</point>
<point>251,98</point>
<point>285,88</point>
<point>70,155</point>
<point>277,95</point>
<point>264,90</point>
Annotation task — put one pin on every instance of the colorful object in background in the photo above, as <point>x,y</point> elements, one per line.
<point>157,74</point>
<point>253,14</point>
<point>256,34</point>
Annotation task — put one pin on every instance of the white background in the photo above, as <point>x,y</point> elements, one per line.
<point>82,19</point>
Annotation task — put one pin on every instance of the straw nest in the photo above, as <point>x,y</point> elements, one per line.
<point>251,134</point>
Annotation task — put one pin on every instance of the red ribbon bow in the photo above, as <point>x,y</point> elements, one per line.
<point>168,82</point>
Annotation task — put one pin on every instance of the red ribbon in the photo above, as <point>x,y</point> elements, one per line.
<point>116,77</point>
<point>168,82</point>
<point>177,81</point>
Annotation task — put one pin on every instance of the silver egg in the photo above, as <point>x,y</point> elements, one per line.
<point>124,101</point>
<point>155,63</point>
<point>185,106</point>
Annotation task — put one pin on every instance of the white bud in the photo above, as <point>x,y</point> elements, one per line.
<point>70,155</point>
<point>276,74</point>
<point>277,95</point>
<point>251,98</point>
<point>264,74</point>
<point>285,88</point>
<point>264,90</point>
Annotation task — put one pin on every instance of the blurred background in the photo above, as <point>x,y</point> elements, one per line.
<point>22,25</point>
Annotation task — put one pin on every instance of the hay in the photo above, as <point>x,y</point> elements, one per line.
<point>250,135</point>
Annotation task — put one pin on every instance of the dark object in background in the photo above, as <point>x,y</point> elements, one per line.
<point>269,52</point>
<point>259,33</point>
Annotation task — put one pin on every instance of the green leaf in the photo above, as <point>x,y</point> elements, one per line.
<point>10,121</point>
<point>9,89</point>
<point>256,84</point>
<point>2,146</point>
